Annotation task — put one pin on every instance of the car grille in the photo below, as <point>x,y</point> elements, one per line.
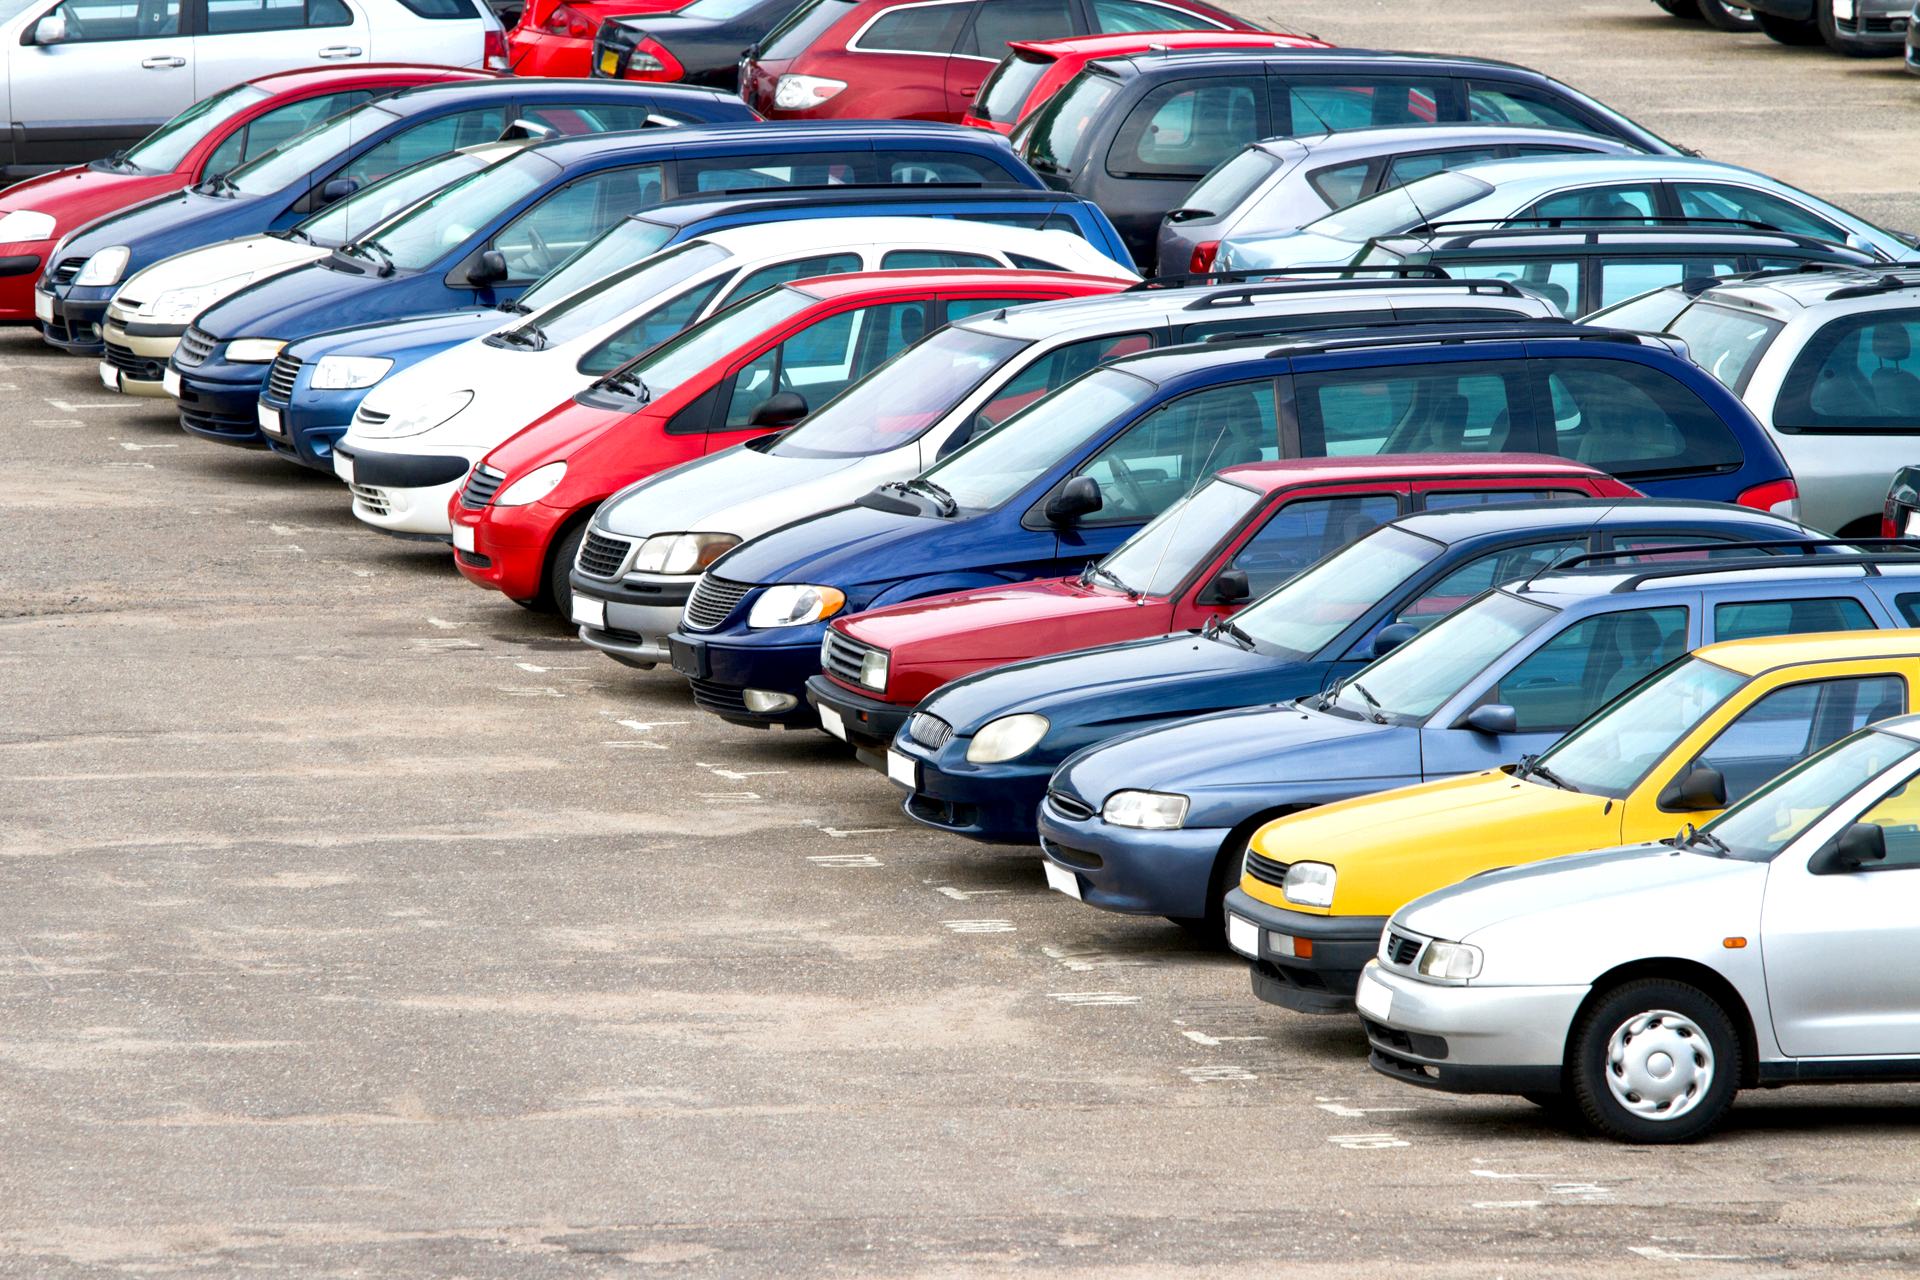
<point>1265,870</point>
<point>713,599</point>
<point>1070,806</point>
<point>601,556</point>
<point>720,699</point>
<point>280,378</point>
<point>1399,949</point>
<point>480,487</point>
<point>841,655</point>
<point>139,368</point>
<point>374,500</point>
<point>208,422</point>
<point>195,346</point>
<point>930,731</point>
<point>66,271</point>
<point>365,417</point>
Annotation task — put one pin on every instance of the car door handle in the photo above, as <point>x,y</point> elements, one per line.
<point>162,62</point>
<point>341,51</point>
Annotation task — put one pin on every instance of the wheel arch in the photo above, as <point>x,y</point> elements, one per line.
<point>1694,974</point>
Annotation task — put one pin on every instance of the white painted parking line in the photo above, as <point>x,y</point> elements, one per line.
<point>979,926</point>
<point>1083,999</point>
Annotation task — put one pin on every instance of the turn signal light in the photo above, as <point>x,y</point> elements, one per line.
<point>1733,944</point>
<point>1203,255</point>
<point>1782,497</point>
<point>565,20</point>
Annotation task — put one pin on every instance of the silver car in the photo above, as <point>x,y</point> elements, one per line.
<point>1778,944</point>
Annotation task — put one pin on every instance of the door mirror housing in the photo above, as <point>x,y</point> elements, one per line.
<point>338,189</point>
<point>1229,586</point>
<point>1697,790</point>
<point>51,29</point>
<point>779,410</point>
<point>1493,718</point>
<point>491,268</point>
<point>1852,849</point>
<point>1392,636</point>
<point>1078,497</point>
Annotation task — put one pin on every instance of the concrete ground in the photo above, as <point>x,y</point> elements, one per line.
<point>357,922</point>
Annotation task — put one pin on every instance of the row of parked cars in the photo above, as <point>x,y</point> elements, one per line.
<point>1854,28</point>
<point>1478,480</point>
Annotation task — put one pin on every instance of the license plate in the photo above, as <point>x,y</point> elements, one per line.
<point>685,658</point>
<point>170,383</point>
<point>343,466</point>
<point>609,63</point>
<point>109,376</point>
<point>903,770</point>
<point>269,420</point>
<point>1913,524</point>
<point>1063,880</point>
<point>831,721</point>
<point>43,308</point>
<point>463,537</point>
<point>1243,936</point>
<point>1373,999</point>
<point>590,611</point>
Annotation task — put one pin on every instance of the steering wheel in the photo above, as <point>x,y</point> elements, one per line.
<point>1136,495</point>
<point>543,256</point>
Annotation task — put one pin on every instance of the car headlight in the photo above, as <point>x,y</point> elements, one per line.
<point>254,350</point>
<point>348,373</point>
<point>683,553</point>
<point>533,486</point>
<point>797,93</point>
<point>1007,738</point>
<point>25,224</point>
<point>792,604</point>
<point>104,267</point>
<point>1147,810</point>
<point>873,670</point>
<point>1455,960</point>
<point>1309,883</point>
<point>424,416</point>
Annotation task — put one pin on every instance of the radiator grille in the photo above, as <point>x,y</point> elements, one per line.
<point>930,731</point>
<point>280,378</point>
<point>713,601</point>
<point>195,346</point>
<point>480,487</point>
<point>601,556</point>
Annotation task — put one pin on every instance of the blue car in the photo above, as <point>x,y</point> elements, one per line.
<point>1070,477</point>
<point>485,240</point>
<point>334,159</point>
<point>312,417</point>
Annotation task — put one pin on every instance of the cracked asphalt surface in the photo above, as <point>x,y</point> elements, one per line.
<point>358,923</point>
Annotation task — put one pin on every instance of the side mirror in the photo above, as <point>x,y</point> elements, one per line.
<point>1392,636</point>
<point>1493,718</point>
<point>1695,791</point>
<point>1078,497</point>
<point>338,189</point>
<point>51,29</point>
<point>1229,586</point>
<point>491,269</point>
<point>779,410</point>
<point>1859,844</point>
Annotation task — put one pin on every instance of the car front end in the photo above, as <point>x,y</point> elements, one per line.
<point>1453,1035</point>
<point>71,296</point>
<point>629,592</point>
<point>502,527</point>
<point>748,648</point>
<point>216,383</point>
<point>404,467</point>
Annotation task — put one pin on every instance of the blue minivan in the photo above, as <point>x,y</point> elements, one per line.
<point>333,159</point>
<point>1071,476</point>
<point>311,417</point>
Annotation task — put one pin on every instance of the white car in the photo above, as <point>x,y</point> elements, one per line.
<point>87,77</point>
<point>927,402</point>
<point>464,401</point>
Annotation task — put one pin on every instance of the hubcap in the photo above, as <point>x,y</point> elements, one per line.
<point>1659,1064</point>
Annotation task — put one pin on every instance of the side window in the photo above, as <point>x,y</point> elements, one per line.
<point>819,361</point>
<point>934,259</point>
<point>1630,419</point>
<point>552,231</point>
<point>1557,282</point>
<point>423,142</point>
<point>1742,204</point>
<point>1858,373</point>
<point>1659,549</point>
<point>955,167</point>
<point>1898,817</point>
<point>1056,369</point>
<point>240,16</point>
<point>1572,675</point>
<point>1437,408</point>
<point>925,28</point>
<point>648,331</point>
<point>576,119</point>
<point>1788,617</point>
<point>1184,129</point>
<point>90,21</point>
<point>1164,454</point>
<point>1483,573</point>
<point>1621,280</point>
<point>765,278</point>
<point>998,22</point>
<point>1789,724</point>
<point>1340,184</point>
<point>1624,205</point>
<point>1513,104</point>
<point>1447,499</point>
<point>1304,530</point>
<point>959,309</point>
<point>1114,16</point>
<point>753,173</point>
<point>1909,606</point>
<point>1323,104</point>
<point>266,132</point>
<point>1403,169</point>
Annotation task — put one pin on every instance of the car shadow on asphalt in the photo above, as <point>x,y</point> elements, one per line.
<point>1787,1111</point>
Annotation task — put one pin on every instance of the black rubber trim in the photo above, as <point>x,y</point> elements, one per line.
<point>1465,1079</point>
<point>1839,1071</point>
<point>869,720</point>
<point>19,264</point>
<point>668,595</point>
<point>154,330</point>
<point>403,470</point>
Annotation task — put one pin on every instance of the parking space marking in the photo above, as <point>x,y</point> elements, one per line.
<point>1222,1073</point>
<point>1082,959</point>
<point>841,833</point>
<point>962,895</point>
<point>1087,999</point>
<point>1367,1141</point>
<point>979,926</point>
<point>844,860</point>
<point>1337,1107</point>
<point>1214,1042</point>
<point>736,775</point>
<point>1654,1253</point>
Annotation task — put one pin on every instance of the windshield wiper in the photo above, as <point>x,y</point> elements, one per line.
<point>1245,641</point>
<point>218,185</point>
<point>296,235</point>
<point>948,503</point>
<point>527,335</point>
<point>1692,835</point>
<point>1379,716</point>
<point>379,253</point>
<point>630,381</point>
<point>1098,570</point>
<point>1530,767</point>
<point>514,308</point>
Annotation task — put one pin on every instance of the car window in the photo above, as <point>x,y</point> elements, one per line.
<point>790,36</point>
<point>767,277</point>
<point>1164,454</point>
<point>1059,367</point>
<point>1060,125</point>
<point>90,21</point>
<point>1471,407</point>
<point>1232,181</point>
<point>647,331</point>
<point>1909,606</point>
<point>1788,617</point>
<point>956,168</point>
<point>1482,573</point>
<point>1446,499</point>
<point>1512,104</point>
<point>566,221</point>
<point>230,16</point>
<point>1623,279</point>
<point>1003,95</point>
<point>1724,342</point>
<point>959,309</point>
<point>1340,184</point>
<point>1620,204</point>
<point>1140,15</point>
<point>1722,200</point>
<point>442,9</point>
<point>1185,128</point>
<point>265,132</point>
<point>920,28</point>
<point>577,119</point>
<point>1406,168</point>
<point>1897,814</point>
<point>1304,530</point>
<point>1324,104</point>
<point>1630,419</point>
<point>1858,373</point>
<point>1557,282</point>
<point>1791,723</point>
<point>998,22</point>
<point>1576,672</point>
<point>820,360</point>
<point>1170,546</point>
<point>934,259</point>
<point>423,142</point>
<point>752,173</point>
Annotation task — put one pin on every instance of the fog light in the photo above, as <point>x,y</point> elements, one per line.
<point>764,702</point>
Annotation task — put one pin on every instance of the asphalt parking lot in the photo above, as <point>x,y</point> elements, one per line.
<point>357,922</point>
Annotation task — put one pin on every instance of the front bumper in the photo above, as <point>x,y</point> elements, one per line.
<point>994,803</point>
<point>70,318</point>
<point>1468,1039</point>
<point>721,675</point>
<point>20,268</point>
<point>509,546</point>
<point>1126,869</point>
<point>870,723</point>
<point>403,493</point>
<point>219,401</point>
<point>138,354</point>
<point>639,616</point>
<point>310,422</point>
<point>1323,979</point>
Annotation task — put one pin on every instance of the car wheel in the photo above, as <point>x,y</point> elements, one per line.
<point>1654,1061</point>
<point>558,594</point>
<point>1726,17</point>
<point>1849,45</point>
<point>1790,31</point>
<point>1685,10</point>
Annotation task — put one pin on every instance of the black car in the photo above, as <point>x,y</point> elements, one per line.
<point>1134,134</point>
<point>700,44</point>
<point>1857,28</point>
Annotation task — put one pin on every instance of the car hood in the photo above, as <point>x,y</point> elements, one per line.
<point>992,624</point>
<point>241,262</point>
<point>1287,249</point>
<point>416,337</point>
<point>553,436</point>
<point>845,548</point>
<point>665,26</point>
<point>170,223</point>
<point>291,304</point>
<point>77,196</point>
<point>740,491</point>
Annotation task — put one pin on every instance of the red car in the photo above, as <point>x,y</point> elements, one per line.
<point>913,60</point>
<point>555,37</point>
<point>208,138</point>
<point>1228,542</point>
<point>1035,70</point>
<point>753,368</point>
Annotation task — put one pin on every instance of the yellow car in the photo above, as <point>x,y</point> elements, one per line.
<point>1317,886</point>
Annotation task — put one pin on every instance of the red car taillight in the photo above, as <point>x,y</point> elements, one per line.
<point>494,51</point>
<point>1782,497</point>
<point>565,20</point>
<point>651,61</point>
<point>1203,255</point>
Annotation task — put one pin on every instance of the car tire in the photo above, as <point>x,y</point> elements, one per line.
<point>1797,32</point>
<point>1654,1061</point>
<point>1726,17</point>
<point>1845,45</point>
<point>557,591</point>
<point>1685,10</point>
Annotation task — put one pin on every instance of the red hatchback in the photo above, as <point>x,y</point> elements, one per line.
<point>208,138</point>
<point>915,60</point>
<point>753,368</point>
<point>1228,542</point>
<point>1035,70</point>
<point>555,37</point>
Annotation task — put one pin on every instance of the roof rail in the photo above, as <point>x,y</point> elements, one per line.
<point>1461,332</point>
<point>905,188</point>
<point>1575,220</point>
<point>1397,325</point>
<point>1832,552</point>
<point>1694,286</point>
<point>1204,279</point>
<point>1496,288</point>
<point>1887,283</point>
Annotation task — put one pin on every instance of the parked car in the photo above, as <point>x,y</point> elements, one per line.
<point>314,409</point>
<point>926,59</point>
<point>1726,15</point>
<point>1856,28</point>
<point>555,37</point>
<point>328,162</point>
<point>88,77</point>
<point>1643,986</point>
<point>1282,184</point>
<point>1034,70</point>
<point>1689,736</point>
<point>1550,191</point>
<point>932,399</point>
<point>1902,515</point>
<point>701,43</point>
<point>1233,538</point>
<point>1135,134</point>
<point>520,520</point>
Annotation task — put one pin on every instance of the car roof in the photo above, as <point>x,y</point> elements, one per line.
<point>535,89</point>
<point>1388,137</point>
<point>773,132</point>
<point>1174,60</point>
<point>1907,726</point>
<point>1661,239</point>
<point>692,209</point>
<point>1520,172</point>
<point>1635,581</point>
<point>333,77</point>
<point>1458,524</point>
<point>1106,44</point>
<point>942,279</point>
<point>1266,477</point>
<point>960,233</point>
<point>1787,291</point>
<point>1170,362</point>
<point>1760,654</point>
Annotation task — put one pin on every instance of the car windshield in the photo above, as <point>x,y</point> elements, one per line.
<point>1649,312</point>
<point>445,221</point>
<point>1059,127</point>
<point>1408,684</point>
<point>162,150</point>
<point>301,154</point>
<point>1725,342</point>
<point>1613,750</point>
<point>603,303</point>
<point>1759,827</point>
<point>370,206</point>
<point>896,403</point>
<point>807,22</point>
<point>622,245</point>
<point>992,468</point>
<point>1220,192</point>
<point>1009,86</point>
<point>1400,208</point>
<point>1167,548</point>
<point>1297,619</point>
<point>714,339</point>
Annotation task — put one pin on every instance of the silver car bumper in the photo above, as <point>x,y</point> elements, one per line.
<point>1466,1039</point>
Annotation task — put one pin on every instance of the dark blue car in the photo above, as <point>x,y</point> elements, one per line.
<point>485,240</point>
<point>311,417</point>
<point>333,159</point>
<point>1067,479</point>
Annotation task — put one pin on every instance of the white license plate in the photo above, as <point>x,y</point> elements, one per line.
<point>170,383</point>
<point>831,721</point>
<point>43,307</point>
<point>1063,880</point>
<point>343,467</point>
<point>1913,524</point>
<point>1373,999</point>
<point>903,770</point>
<point>588,611</point>
<point>1243,936</point>
<point>269,419</point>
<point>109,376</point>
<point>463,537</point>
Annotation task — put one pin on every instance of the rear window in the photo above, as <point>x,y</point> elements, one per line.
<point>1398,208</point>
<point>1859,373</point>
<point>1220,192</point>
<point>1004,95</point>
<point>1060,127</point>
<point>1185,128</point>
<point>800,28</point>
<point>920,28</point>
<point>1632,420</point>
<point>442,8</point>
<point>1725,342</point>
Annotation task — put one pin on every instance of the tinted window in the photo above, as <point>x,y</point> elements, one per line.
<point>798,269</point>
<point>1139,15</point>
<point>1446,499</point>
<point>1909,606</point>
<point>933,259</point>
<point>1572,675</point>
<point>1483,573</point>
<point>1625,205</point>
<point>442,8</point>
<point>1341,184</point>
<point>1631,420</point>
<point>1059,367</point>
<point>265,132</point>
<point>224,16</point>
<point>578,118</point>
<point>1719,200</point>
<point>89,21</point>
<point>1004,93</point>
<point>1186,128</point>
<point>553,230</point>
<point>750,173</point>
<point>801,27</point>
<point>1167,452</point>
<point>1557,282</point>
<point>424,141</point>
<point>1406,168</point>
<point>1437,408</point>
<point>927,28</point>
<point>1325,104</point>
<point>1306,529</point>
<point>943,166</point>
<point>1620,280</point>
<point>1060,126</point>
<point>1790,724</point>
<point>959,309</point>
<point>1788,617</point>
<point>1000,21</point>
<point>1859,373</point>
<point>1512,104</point>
